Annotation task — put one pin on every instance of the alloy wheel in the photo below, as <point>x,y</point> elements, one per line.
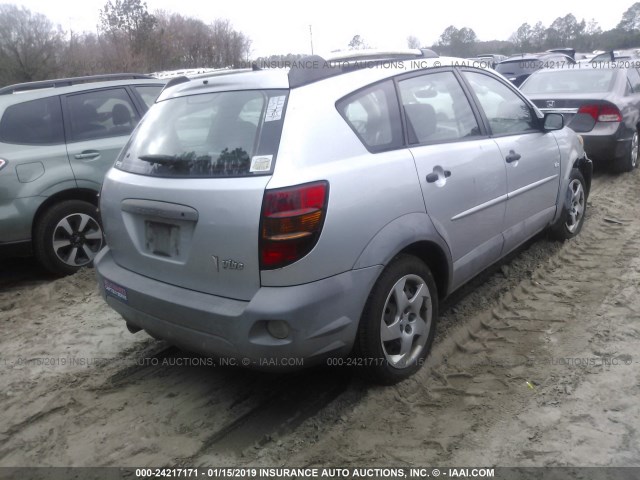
<point>77,238</point>
<point>406,321</point>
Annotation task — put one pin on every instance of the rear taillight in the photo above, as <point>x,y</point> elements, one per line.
<point>609,113</point>
<point>2,163</point>
<point>602,113</point>
<point>291,222</point>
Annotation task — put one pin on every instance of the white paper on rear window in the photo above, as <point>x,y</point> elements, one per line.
<point>274,109</point>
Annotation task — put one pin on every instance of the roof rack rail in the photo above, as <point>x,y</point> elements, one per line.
<point>382,55</point>
<point>344,62</point>
<point>65,82</point>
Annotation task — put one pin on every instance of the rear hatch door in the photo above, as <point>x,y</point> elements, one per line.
<point>183,203</point>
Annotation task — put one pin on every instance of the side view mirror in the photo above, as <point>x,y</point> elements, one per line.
<point>553,121</point>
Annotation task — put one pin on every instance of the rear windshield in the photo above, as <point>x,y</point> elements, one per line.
<point>225,134</point>
<point>519,67</point>
<point>570,81</point>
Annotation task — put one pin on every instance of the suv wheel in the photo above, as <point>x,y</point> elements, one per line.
<point>575,205</point>
<point>68,236</point>
<point>630,161</point>
<point>398,323</point>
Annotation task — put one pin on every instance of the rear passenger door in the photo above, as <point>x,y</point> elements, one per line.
<point>530,155</point>
<point>97,125</point>
<point>461,171</point>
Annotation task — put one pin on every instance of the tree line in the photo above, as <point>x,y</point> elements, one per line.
<point>131,39</point>
<point>128,39</point>
<point>564,31</point>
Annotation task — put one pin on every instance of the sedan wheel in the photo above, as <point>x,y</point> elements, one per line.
<point>634,151</point>
<point>629,161</point>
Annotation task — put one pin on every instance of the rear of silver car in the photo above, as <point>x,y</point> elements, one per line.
<point>190,227</point>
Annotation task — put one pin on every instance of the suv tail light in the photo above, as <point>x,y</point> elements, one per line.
<point>602,113</point>
<point>291,222</point>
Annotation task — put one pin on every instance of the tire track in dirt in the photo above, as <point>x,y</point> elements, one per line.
<point>129,411</point>
<point>487,372</point>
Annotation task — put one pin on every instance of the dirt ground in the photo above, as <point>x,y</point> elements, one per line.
<point>535,364</point>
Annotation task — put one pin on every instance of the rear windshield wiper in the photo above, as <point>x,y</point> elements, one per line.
<point>158,158</point>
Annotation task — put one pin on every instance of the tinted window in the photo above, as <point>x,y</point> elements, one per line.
<point>506,111</point>
<point>210,135</point>
<point>149,93</point>
<point>436,109</point>
<point>100,114</point>
<point>38,122</point>
<point>634,79</point>
<point>374,115</point>
<point>568,81</point>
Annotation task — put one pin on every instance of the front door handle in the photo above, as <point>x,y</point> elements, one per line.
<point>87,155</point>
<point>512,157</point>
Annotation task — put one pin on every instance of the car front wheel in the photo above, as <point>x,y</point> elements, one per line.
<point>574,208</point>
<point>398,322</point>
<point>68,236</point>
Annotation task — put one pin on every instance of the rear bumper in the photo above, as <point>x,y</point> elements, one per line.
<point>605,143</point>
<point>605,148</point>
<point>322,316</point>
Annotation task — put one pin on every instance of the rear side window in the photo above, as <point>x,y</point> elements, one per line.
<point>38,122</point>
<point>374,116</point>
<point>225,134</point>
<point>149,93</point>
<point>100,114</point>
<point>436,109</point>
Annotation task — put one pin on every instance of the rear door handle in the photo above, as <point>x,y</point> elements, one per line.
<point>512,157</point>
<point>87,155</point>
<point>433,176</point>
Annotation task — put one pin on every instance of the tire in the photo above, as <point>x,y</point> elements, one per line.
<point>68,236</point>
<point>574,209</point>
<point>389,355</point>
<point>630,161</point>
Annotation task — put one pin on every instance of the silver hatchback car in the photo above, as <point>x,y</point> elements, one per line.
<point>282,217</point>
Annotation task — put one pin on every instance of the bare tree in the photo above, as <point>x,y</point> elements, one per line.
<point>413,42</point>
<point>630,21</point>
<point>29,45</point>
<point>357,43</point>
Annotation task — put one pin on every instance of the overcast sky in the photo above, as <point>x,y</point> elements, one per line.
<point>282,26</point>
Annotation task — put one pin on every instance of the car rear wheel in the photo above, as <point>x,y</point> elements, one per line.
<point>398,322</point>
<point>630,161</point>
<point>68,236</point>
<point>574,208</point>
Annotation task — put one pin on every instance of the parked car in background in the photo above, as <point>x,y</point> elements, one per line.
<point>518,67</point>
<point>490,59</point>
<point>57,140</point>
<point>569,52</point>
<point>601,104</point>
<point>616,56</point>
<point>269,216</point>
